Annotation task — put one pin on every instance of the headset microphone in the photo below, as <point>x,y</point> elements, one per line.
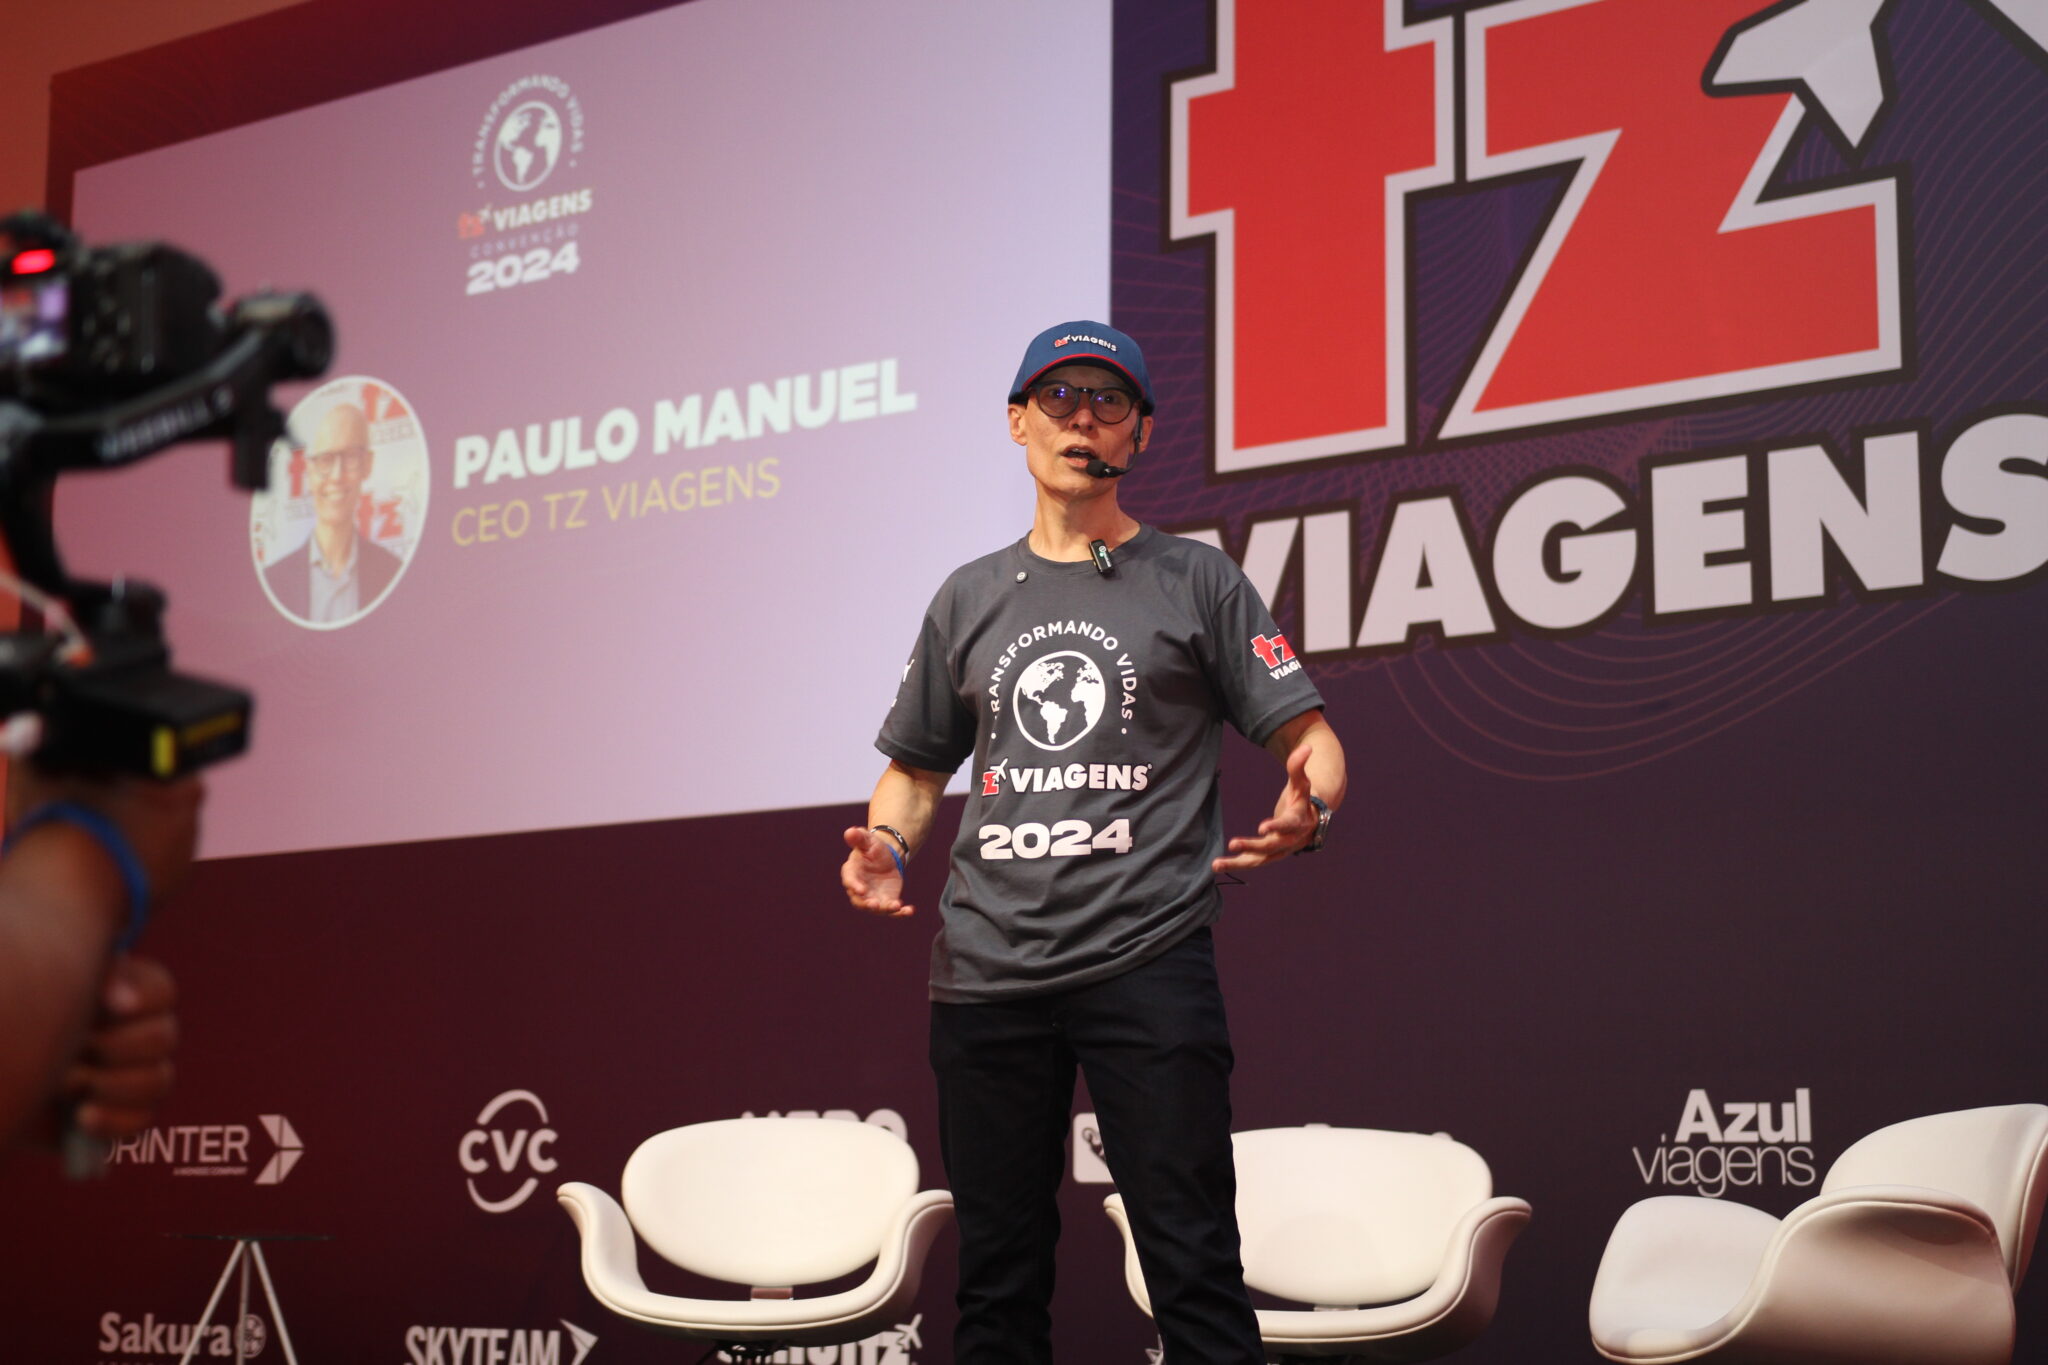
<point>1099,468</point>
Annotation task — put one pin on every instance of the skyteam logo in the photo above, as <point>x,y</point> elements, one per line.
<point>531,128</point>
<point>498,1345</point>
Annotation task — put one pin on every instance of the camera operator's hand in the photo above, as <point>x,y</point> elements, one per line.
<point>124,1071</point>
<point>74,1024</point>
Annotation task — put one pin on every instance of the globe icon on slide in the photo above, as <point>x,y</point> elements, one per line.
<point>528,145</point>
<point>1059,698</point>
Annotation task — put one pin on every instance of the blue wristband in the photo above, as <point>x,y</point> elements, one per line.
<point>108,836</point>
<point>896,836</point>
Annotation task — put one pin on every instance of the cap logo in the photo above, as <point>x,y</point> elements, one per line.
<point>1098,341</point>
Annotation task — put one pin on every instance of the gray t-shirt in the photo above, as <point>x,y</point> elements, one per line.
<point>1093,706</point>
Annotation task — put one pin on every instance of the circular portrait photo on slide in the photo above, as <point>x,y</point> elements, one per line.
<point>346,503</point>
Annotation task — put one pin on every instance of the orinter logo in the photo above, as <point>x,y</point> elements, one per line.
<point>214,1149</point>
<point>508,1151</point>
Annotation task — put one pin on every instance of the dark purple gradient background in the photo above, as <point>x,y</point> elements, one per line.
<point>1575,879</point>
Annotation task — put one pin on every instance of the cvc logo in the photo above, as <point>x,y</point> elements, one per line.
<point>511,1136</point>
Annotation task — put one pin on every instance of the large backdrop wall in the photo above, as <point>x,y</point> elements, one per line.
<point>1634,412</point>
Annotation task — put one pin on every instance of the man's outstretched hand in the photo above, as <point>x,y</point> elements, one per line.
<point>870,877</point>
<point>1292,825</point>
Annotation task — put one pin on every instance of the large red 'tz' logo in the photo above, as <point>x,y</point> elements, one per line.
<point>1665,275</point>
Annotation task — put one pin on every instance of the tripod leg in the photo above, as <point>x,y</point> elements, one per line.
<point>284,1338</point>
<point>192,1346</point>
<point>242,1311</point>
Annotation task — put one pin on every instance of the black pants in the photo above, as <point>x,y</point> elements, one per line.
<point>1155,1047</point>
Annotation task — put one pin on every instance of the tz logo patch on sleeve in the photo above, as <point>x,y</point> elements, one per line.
<point>1276,654</point>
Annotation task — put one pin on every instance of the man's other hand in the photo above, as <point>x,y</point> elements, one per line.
<point>1292,825</point>
<point>870,877</point>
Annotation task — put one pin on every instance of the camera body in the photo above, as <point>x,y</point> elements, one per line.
<point>79,326</point>
<point>107,355</point>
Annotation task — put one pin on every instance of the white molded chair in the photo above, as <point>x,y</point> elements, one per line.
<point>771,1203</point>
<point>1908,1256</point>
<point>1394,1236</point>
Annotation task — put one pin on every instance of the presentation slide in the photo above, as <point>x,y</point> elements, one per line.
<point>669,386</point>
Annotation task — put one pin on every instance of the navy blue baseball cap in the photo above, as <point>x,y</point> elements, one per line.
<point>1084,343</point>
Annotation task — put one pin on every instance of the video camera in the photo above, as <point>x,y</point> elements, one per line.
<point>107,355</point>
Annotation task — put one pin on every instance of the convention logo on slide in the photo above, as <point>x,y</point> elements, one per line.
<point>523,163</point>
<point>532,128</point>
<point>346,506</point>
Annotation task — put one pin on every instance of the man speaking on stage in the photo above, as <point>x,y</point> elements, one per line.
<point>1088,669</point>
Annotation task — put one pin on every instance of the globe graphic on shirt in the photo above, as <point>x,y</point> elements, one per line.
<point>1059,698</point>
<point>529,143</point>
